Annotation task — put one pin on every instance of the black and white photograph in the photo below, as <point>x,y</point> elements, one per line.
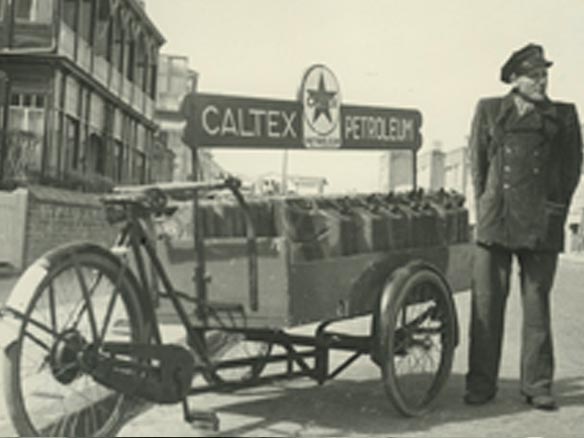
<point>292,218</point>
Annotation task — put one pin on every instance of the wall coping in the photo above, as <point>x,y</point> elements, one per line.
<point>66,197</point>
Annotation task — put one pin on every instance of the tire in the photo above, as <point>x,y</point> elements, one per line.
<point>417,328</point>
<point>64,401</point>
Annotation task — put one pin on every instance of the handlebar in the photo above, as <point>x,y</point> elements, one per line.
<point>150,194</point>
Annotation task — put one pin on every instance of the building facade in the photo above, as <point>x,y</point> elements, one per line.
<point>396,171</point>
<point>175,80</point>
<point>430,167</point>
<point>82,86</point>
<point>272,183</point>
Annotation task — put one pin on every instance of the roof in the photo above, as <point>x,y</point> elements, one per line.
<point>297,179</point>
<point>141,11</point>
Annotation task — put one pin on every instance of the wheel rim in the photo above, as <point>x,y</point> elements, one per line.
<point>58,399</point>
<point>421,345</point>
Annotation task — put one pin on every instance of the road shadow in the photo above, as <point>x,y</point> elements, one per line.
<point>346,407</point>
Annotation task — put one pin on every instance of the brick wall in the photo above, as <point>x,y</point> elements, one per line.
<point>56,217</point>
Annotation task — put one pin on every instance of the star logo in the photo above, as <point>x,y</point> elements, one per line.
<point>321,100</point>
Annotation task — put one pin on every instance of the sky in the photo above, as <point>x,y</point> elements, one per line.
<point>437,56</point>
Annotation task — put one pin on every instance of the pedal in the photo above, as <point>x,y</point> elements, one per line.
<point>206,420</point>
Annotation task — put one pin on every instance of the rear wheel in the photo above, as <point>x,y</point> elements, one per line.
<point>83,297</point>
<point>417,329</point>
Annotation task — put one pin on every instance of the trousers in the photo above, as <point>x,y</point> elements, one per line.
<point>490,289</point>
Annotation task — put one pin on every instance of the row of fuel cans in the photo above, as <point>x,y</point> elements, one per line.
<point>328,226</point>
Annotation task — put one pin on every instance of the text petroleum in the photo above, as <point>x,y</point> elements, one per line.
<point>379,128</point>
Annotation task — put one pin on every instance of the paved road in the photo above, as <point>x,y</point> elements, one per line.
<point>354,405</point>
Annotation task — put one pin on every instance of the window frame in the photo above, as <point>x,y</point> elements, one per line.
<point>21,20</point>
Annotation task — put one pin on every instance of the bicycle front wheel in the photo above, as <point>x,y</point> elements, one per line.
<point>84,297</point>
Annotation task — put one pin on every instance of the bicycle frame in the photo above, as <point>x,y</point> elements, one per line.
<point>133,235</point>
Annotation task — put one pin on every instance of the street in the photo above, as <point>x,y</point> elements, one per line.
<point>355,404</point>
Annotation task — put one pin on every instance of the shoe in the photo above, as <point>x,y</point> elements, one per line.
<point>544,402</point>
<point>474,399</point>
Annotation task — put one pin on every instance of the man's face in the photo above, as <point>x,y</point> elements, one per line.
<point>533,84</point>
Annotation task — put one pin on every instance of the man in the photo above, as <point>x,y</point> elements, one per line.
<point>526,155</point>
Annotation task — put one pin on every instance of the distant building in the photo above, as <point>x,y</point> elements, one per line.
<point>456,169</point>
<point>457,177</point>
<point>431,166</point>
<point>82,77</point>
<point>271,184</point>
<point>396,171</point>
<point>175,80</point>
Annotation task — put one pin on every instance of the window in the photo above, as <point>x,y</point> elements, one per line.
<point>70,13</point>
<point>118,46</point>
<point>96,154</point>
<point>38,11</point>
<point>141,60</point>
<point>26,131</point>
<point>153,81</point>
<point>138,167</point>
<point>131,58</point>
<point>118,161</point>
<point>86,25</point>
<point>71,142</point>
<point>102,39</point>
<point>27,100</point>
<point>111,32</point>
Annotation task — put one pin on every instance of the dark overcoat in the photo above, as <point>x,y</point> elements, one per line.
<point>525,170</point>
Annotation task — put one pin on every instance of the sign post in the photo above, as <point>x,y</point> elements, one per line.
<point>200,271</point>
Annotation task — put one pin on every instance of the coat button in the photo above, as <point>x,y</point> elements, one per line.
<point>508,150</point>
<point>505,186</point>
<point>536,170</point>
<point>507,168</point>
<point>536,153</point>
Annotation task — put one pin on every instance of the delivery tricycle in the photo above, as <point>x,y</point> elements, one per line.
<point>81,331</point>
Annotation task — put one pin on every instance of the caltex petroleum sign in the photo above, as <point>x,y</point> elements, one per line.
<point>317,120</point>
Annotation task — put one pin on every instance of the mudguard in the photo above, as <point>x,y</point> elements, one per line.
<point>18,302</point>
<point>23,292</point>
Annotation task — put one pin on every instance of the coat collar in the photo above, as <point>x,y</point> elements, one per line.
<point>505,109</point>
<point>547,109</point>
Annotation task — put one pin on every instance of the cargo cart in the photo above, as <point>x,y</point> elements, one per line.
<point>81,330</point>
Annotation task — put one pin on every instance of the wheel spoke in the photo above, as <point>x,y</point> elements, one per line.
<point>52,308</point>
<point>108,315</point>
<point>74,424</point>
<point>37,341</point>
<point>87,297</point>
<point>81,306</point>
